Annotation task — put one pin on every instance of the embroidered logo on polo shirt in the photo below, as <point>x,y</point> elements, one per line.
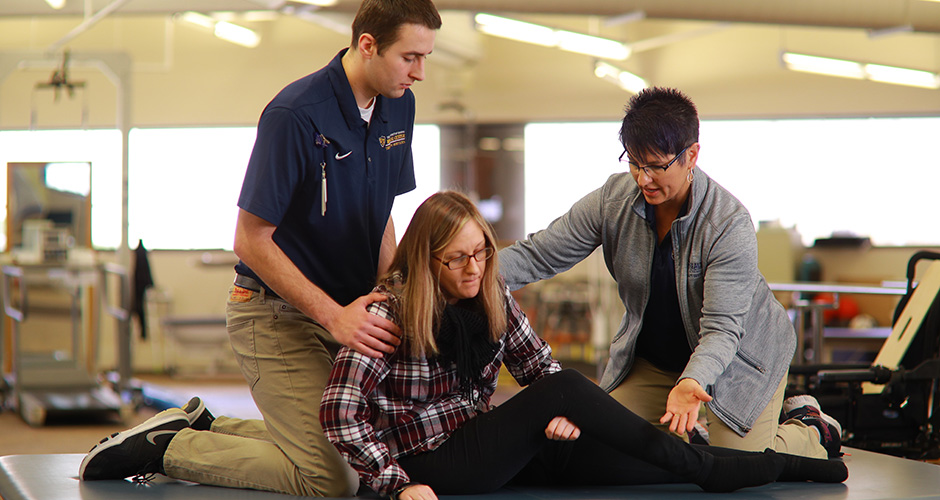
<point>393,139</point>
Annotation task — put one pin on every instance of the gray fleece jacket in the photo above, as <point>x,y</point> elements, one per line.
<point>741,337</point>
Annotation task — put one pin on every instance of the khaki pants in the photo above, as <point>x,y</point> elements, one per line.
<point>286,359</point>
<point>646,388</point>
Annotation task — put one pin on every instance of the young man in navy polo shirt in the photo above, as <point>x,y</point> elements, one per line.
<point>314,230</point>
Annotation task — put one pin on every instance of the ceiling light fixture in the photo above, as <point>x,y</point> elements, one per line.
<point>861,71</point>
<point>248,16</point>
<point>629,17</point>
<point>890,30</point>
<point>537,34</point>
<point>319,3</point>
<point>237,34</point>
<point>823,65</point>
<point>902,76</point>
<point>56,4</point>
<point>201,20</point>
<point>516,30</point>
<point>621,78</point>
<point>224,30</point>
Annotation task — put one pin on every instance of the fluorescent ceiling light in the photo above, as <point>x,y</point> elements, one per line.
<point>902,76</point>
<point>56,4</point>
<point>823,65</point>
<point>629,17</point>
<point>237,34</point>
<point>198,19</point>
<point>223,29</point>
<point>890,30</point>
<point>549,37</point>
<point>621,78</point>
<point>592,45</point>
<point>250,16</point>
<point>516,30</point>
<point>318,3</point>
<point>861,71</point>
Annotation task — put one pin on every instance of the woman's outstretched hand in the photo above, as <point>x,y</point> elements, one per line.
<point>562,429</point>
<point>683,404</point>
<point>417,492</point>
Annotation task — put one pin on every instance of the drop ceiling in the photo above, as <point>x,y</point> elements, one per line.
<point>724,52</point>
<point>920,15</point>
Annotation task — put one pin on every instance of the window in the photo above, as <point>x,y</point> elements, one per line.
<point>183,183</point>
<point>102,148</point>
<point>426,149</point>
<point>564,162</point>
<point>871,177</point>
<point>183,186</point>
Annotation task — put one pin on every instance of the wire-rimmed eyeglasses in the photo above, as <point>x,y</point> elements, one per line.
<point>464,260</point>
<point>651,170</point>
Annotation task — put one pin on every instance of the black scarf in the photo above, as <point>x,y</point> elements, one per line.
<point>463,338</point>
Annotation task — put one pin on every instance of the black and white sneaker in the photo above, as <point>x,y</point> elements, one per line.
<point>199,417</point>
<point>134,452</point>
<point>806,409</point>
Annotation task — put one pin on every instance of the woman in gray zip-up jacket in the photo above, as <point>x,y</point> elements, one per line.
<point>740,337</point>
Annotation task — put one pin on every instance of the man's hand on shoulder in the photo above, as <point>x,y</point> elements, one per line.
<point>364,332</point>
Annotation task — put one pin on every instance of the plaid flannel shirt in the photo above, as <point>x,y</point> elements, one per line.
<point>375,410</point>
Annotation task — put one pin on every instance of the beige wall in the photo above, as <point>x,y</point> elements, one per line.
<point>188,284</point>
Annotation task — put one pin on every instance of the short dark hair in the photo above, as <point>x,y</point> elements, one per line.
<point>658,121</point>
<point>383,18</point>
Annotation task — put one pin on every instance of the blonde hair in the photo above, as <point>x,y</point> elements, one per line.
<point>434,225</point>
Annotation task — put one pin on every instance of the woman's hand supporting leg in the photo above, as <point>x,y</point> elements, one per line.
<point>562,429</point>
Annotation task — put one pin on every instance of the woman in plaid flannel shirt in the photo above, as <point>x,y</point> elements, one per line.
<point>418,421</point>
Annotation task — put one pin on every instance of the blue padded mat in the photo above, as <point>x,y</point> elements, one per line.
<point>871,476</point>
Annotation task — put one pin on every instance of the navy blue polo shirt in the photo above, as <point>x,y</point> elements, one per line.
<point>662,339</point>
<point>312,131</point>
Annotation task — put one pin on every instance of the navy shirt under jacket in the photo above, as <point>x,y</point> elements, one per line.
<point>662,339</point>
<point>310,135</point>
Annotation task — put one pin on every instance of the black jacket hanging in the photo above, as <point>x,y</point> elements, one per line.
<point>142,280</point>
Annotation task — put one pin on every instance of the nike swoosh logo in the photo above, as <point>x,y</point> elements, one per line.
<point>154,434</point>
<point>340,157</point>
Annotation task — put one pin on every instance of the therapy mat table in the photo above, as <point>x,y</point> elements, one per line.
<point>871,476</point>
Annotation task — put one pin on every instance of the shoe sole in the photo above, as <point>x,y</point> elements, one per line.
<point>119,438</point>
<point>196,414</point>
<point>833,422</point>
<point>804,400</point>
<point>807,400</point>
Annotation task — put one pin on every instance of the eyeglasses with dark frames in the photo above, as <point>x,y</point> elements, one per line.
<point>464,260</point>
<point>651,170</point>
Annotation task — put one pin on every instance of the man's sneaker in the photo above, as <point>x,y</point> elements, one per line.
<point>199,417</point>
<point>137,451</point>
<point>806,409</point>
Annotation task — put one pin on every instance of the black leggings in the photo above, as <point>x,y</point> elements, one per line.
<point>508,444</point>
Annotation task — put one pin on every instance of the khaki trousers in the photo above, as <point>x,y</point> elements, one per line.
<point>646,388</point>
<point>286,359</point>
